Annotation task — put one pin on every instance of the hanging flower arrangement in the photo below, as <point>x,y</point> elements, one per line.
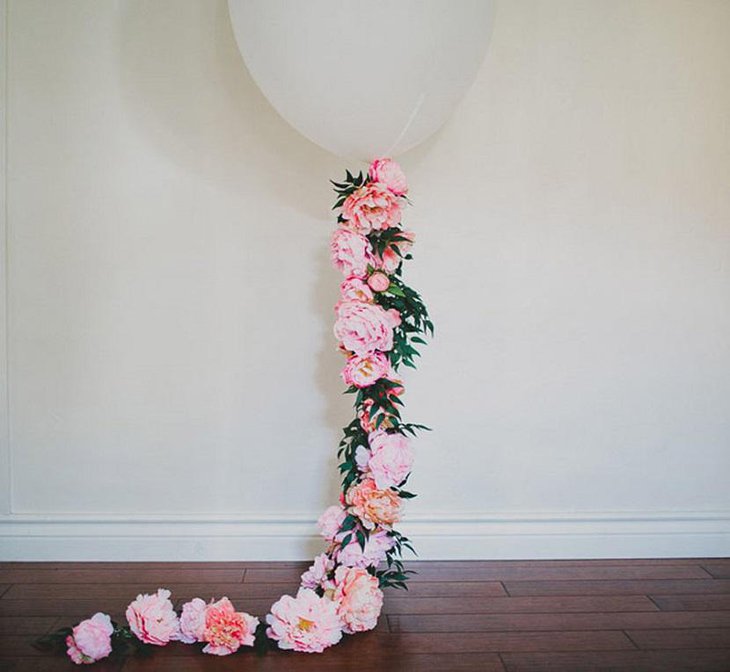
<point>379,324</point>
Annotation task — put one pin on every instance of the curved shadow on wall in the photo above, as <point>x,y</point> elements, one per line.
<point>174,59</point>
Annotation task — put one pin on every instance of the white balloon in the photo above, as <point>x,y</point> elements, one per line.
<point>363,78</point>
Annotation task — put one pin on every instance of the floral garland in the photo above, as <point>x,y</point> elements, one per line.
<point>379,320</point>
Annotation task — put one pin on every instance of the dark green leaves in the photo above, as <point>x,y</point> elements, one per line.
<point>344,189</point>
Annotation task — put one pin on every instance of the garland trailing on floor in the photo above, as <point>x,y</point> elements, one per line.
<point>379,322</point>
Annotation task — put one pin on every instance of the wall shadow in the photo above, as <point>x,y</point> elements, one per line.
<point>174,58</point>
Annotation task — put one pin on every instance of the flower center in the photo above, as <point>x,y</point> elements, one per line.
<point>305,625</point>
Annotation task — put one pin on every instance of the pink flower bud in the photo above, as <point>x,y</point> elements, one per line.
<point>379,282</point>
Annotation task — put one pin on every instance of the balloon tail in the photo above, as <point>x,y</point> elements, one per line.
<point>411,118</point>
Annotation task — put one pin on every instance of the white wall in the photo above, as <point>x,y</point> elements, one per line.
<point>173,384</point>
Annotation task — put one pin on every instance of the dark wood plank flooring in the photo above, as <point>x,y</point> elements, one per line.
<point>507,616</point>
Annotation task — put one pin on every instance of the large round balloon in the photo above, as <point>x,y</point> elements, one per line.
<point>363,78</point>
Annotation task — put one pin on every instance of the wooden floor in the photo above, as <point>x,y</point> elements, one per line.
<point>511,616</point>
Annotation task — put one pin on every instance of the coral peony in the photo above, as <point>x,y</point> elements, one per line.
<point>330,521</point>
<point>376,547</point>
<point>192,621</point>
<point>316,575</point>
<point>306,623</point>
<point>372,505</point>
<point>389,173</point>
<point>351,253</point>
<point>363,328</point>
<point>152,618</point>
<point>354,289</point>
<point>359,599</point>
<point>391,458</point>
<point>372,207</point>
<point>227,629</point>
<point>364,371</point>
<point>91,640</point>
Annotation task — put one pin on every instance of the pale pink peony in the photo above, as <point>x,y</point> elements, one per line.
<point>378,281</point>
<point>390,259</point>
<point>152,618</point>
<point>391,458</point>
<point>373,506</point>
<point>351,253</point>
<point>227,629</point>
<point>363,328</point>
<point>376,547</point>
<point>316,575</point>
<point>192,621</point>
<point>362,457</point>
<point>372,207</point>
<point>306,623</point>
<point>331,521</point>
<point>359,599</point>
<point>364,371</point>
<point>354,289</point>
<point>91,640</point>
<point>389,173</point>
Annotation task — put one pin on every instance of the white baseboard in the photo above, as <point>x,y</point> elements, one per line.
<point>442,537</point>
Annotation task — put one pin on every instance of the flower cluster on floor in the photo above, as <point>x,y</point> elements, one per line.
<point>379,321</point>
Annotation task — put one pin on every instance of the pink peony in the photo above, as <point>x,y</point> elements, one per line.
<point>354,289</point>
<point>363,328</point>
<point>152,618</point>
<point>376,547</point>
<point>192,621</point>
<point>227,629</point>
<point>394,317</point>
<point>372,207</point>
<point>389,173</point>
<point>359,599</point>
<point>351,253</point>
<point>379,282</point>
<point>91,640</point>
<point>331,521</point>
<point>364,371</point>
<point>316,575</point>
<point>391,458</point>
<point>390,259</point>
<point>373,506</point>
<point>363,415</point>
<point>306,623</point>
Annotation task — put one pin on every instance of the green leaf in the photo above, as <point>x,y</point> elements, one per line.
<point>348,523</point>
